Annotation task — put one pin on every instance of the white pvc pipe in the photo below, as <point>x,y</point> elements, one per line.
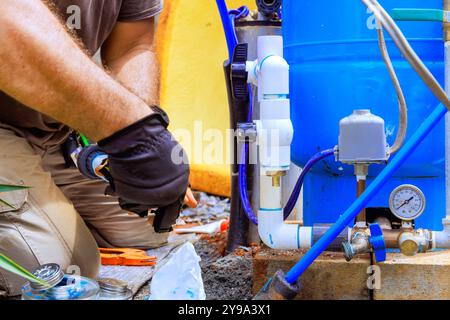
<point>271,74</point>
<point>278,235</point>
<point>273,231</point>
<point>441,239</point>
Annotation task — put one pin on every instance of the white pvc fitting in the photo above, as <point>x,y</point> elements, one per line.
<point>271,227</point>
<point>275,134</point>
<point>278,235</point>
<point>275,130</point>
<point>270,196</point>
<point>441,239</point>
<point>274,79</point>
<point>274,140</point>
<point>269,45</point>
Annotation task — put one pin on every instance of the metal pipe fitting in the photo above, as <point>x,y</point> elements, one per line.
<point>358,244</point>
<point>361,172</point>
<point>441,239</point>
<point>414,242</point>
<point>277,288</point>
<point>268,7</point>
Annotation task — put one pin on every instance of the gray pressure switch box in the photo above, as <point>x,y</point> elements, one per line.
<point>362,139</point>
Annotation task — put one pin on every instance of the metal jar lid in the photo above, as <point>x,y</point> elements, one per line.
<point>114,289</point>
<point>113,285</point>
<point>50,273</point>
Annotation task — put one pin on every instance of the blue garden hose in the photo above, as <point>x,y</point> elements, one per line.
<point>298,186</point>
<point>344,220</point>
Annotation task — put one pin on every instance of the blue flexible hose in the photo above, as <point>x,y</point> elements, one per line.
<point>349,215</point>
<point>230,34</point>
<point>298,186</point>
<point>246,204</point>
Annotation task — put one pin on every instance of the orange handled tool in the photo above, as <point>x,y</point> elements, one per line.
<point>126,257</point>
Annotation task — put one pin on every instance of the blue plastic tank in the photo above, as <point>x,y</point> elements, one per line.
<point>336,67</point>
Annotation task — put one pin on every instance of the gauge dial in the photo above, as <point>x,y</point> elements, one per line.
<point>407,202</point>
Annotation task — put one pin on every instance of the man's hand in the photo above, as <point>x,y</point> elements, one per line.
<point>147,167</point>
<point>189,199</point>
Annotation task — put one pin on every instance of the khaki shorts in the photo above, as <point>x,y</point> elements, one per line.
<point>63,217</point>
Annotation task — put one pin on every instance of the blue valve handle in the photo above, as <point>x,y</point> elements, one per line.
<point>377,242</point>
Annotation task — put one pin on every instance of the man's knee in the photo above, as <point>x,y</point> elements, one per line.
<point>30,255</point>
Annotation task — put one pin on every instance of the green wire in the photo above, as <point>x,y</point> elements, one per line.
<point>415,14</point>
<point>8,264</point>
<point>84,140</point>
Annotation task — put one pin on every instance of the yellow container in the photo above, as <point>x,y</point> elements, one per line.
<point>191,48</point>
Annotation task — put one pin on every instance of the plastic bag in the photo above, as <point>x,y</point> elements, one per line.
<point>180,278</point>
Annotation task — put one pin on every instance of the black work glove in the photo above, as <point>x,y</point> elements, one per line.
<point>147,168</point>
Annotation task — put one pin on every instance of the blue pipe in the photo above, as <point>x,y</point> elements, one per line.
<point>409,147</point>
<point>298,186</point>
<point>227,27</point>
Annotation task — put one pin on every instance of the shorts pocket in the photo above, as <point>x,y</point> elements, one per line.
<point>12,201</point>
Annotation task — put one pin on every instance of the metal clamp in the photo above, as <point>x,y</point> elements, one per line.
<point>246,132</point>
<point>239,74</point>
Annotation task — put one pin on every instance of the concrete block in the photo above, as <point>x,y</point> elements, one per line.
<point>422,277</point>
<point>330,277</point>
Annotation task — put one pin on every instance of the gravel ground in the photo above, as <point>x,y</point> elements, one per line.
<point>225,277</point>
<point>229,278</point>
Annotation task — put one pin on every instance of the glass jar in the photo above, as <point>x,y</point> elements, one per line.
<point>60,286</point>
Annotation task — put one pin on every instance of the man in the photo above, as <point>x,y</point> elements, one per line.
<point>48,84</point>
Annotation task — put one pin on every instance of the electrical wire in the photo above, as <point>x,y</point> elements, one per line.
<point>407,51</point>
<point>402,107</point>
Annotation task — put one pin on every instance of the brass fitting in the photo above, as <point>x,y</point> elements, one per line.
<point>413,242</point>
<point>276,177</point>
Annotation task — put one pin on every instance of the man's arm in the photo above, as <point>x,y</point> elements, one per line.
<point>43,67</point>
<point>129,54</point>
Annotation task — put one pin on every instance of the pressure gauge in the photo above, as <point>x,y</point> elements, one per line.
<point>407,202</point>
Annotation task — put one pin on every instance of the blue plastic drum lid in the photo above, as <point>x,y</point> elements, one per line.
<point>336,67</point>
